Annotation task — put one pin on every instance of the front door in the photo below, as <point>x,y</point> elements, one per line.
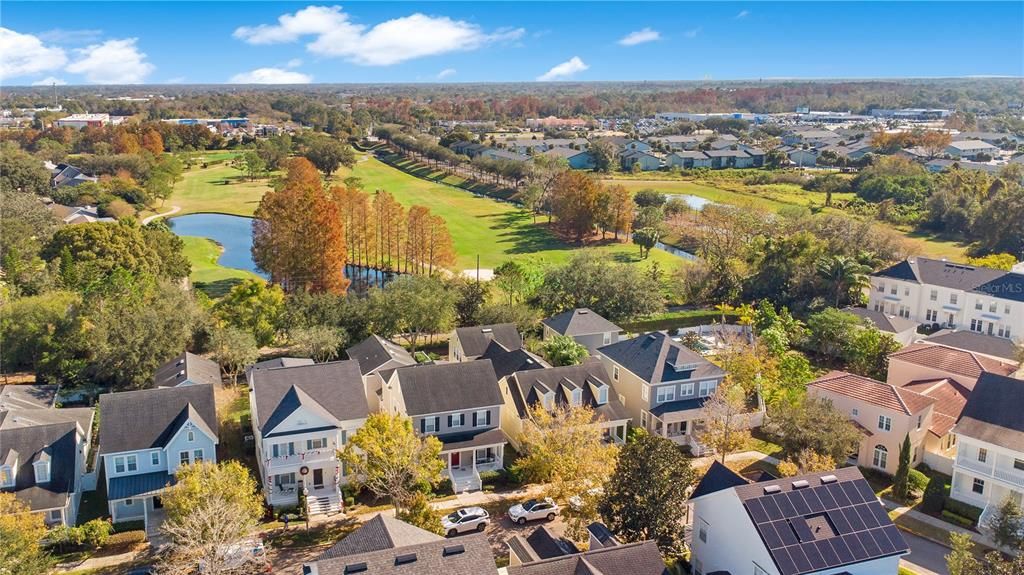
<point>318,478</point>
<point>456,459</point>
<point>157,504</point>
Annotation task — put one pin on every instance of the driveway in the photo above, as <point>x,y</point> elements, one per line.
<point>926,557</point>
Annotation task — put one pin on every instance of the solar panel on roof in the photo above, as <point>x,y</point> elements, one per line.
<point>803,531</point>
<point>785,506</point>
<point>826,498</point>
<point>799,558</point>
<point>867,515</point>
<point>785,532</point>
<point>884,545</point>
<point>856,524</point>
<point>796,499</point>
<point>837,493</point>
<point>828,554</point>
<point>842,550</point>
<point>814,556</point>
<point>756,510</point>
<point>869,543</point>
<point>839,520</point>
<point>770,536</point>
<point>894,535</point>
<point>812,501</point>
<point>783,560</point>
<point>866,492</point>
<point>856,548</point>
<point>771,508</point>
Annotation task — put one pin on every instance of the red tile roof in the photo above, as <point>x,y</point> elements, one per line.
<point>873,392</point>
<point>950,359</point>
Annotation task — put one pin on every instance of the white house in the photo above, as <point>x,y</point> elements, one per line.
<point>970,149</point>
<point>145,436</point>
<point>378,356</point>
<point>187,369</point>
<point>301,417</point>
<point>989,465</point>
<point>827,523</point>
<point>932,291</point>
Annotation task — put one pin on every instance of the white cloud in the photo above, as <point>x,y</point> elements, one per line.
<point>447,72</point>
<point>691,33</point>
<point>271,76</point>
<point>640,37</point>
<point>743,14</point>
<point>50,81</point>
<point>383,44</point>
<point>112,62</point>
<point>23,54</point>
<point>62,36</point>
<point>294,63</point>
<point>564,70</point>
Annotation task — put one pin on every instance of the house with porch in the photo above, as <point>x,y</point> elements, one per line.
<point>460,404</point>
<point>469,343</point>
<point>663,385</point>
<point>145,436</point>
<point>584,326</point>
<point>301,417</point>
<point>989,465</point>
<point>583,385</point>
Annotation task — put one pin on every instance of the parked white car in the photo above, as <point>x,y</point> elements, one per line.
<point>576,502</point>
<point>465,520</point>
<point>533,509</point>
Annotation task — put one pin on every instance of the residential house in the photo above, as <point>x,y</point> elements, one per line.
<point>506,362</point>
<point>145,436</point>
<point>624,144</point>
<point>802,157</point>
<point>544,553</point>
<point>187,369</point>
<point>467,148</point>
<point>460,404</point>
<point>826,523</point>
<point>756,155</point>
<point>43,451</point>
<point>301,417</point>
<point>941,165</point>
<point>583,385</point>
<point>814,138</point>
<point>971,149</point>
<point>989,465</point>
<point>662,384</point>
<point>729,159</point>
<point>69,215</point>
<point>722,142</point>
<point>526,147</point>
<point>988,345</point>
<point>678,143</point>
<point>496,154</point>
<point>853,152</point>
<point>647,162</point>
<point>585,326</point>
<point>901,329</point>
<point>386,546</point>
<point>884,414</point>
<point>377,356</point>
<point>931,361</point>
<point>577,159</point>
<point>940,442</point>
<point>469,343</point>
<point>940,292</point>
<point>688,160</point>
<point>998,139</point>
<point>62,175</point>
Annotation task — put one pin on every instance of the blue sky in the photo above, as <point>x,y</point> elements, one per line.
<point>300,42</point>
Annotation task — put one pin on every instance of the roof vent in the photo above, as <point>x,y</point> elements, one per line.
<point>355,568</point>
<point>405,559</point>
<point>652,337</point>
<point>800,484</point>
<point>486,330</point>
<point>772,489</point>
<point>828,479</point>
<point>181,373</point>
<point>584,311</point>
<point>453,550</point>
<point>180,361</point>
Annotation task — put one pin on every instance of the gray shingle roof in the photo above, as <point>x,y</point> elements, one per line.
<point>143,419</point>
<point>540,544</point>
<point>977,342</point>
<point>884,322</point>
<point>943,273</point>
<point>717,478</point>
<point>527,386</point>
<point>335,388</point>
<point>641,558</point>
<point>57,441</point>
<point>507,362</point>
<point>580,321</point>
<point>187,367</point>
<point>993,412</point>
<point>27,396</point>
<point>475,339</point>
<point>376,352</point>
<point>448,387</point>
<point>380,532</point>
<point>652,358</point>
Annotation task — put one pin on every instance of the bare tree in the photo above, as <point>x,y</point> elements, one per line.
<point>209,538</point>
<point>724,424</point>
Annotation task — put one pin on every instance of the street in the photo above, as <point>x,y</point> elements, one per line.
<point>926,557</point>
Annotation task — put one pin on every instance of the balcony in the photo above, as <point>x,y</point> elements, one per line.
<point>1011,477</point>
<point>328,453</point>
<point>974,465</point>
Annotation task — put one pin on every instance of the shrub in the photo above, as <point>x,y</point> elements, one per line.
<point>96,533</point>
<point>957,519</point>
<point>962,509</point>
<point>934,495</point>
<point>350,501</point>
<point>917,482</point>
<point>126,540</point>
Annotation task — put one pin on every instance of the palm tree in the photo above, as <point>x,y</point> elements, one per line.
<point>842,275</point>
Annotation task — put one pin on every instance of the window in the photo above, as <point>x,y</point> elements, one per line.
<point>602,395</point>
<point>42,471</point>
<point>6,476</point>
<point>707,388</point>
<point>920,418</point>
<point>978,305</point>
<point>881,457</point>
<point>904,311</point>
<point>482,418</point>
<point>56,515</point>
<point>978,486</point>
<point>884,423</point>
<point>191,436</point>
<point>893,290</point>
<point>666,394</point>
<point>183,458</point>
<point>577,396</point>
<point>1006,309</point>
<point>976,325</point>
<point>344,437</point>
<point>1004,331</point>
<point>855,412</point>
<point>703,532</point>
<point>881,288</point>
<point>119,464</point>
<point>622,400</point>
<point>282,449</point>
<point>644,393</point>
<point>982,454</point>
<point>129,502</point>
<point>456,420</point>
<point>133,462</point>
<point>934,295</point>
<point>906,291</point>
<point>197,455</point>
<point>685,389</point>
<point>992,307</point>
<point>318,443</point>
<point>429,425</point>
<point>1018,464</point>
<point>615,372</point>
<point>931,315</point>
<point>154,458</point>
<point>952,298</point>
<point>607,338</point>
<point>284,479</point>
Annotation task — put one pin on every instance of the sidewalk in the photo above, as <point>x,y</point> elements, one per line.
<point>901,510</point>
<point>741,456</point>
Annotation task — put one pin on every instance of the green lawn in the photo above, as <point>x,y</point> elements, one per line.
<point>207,275</point>
<point>218,189</point>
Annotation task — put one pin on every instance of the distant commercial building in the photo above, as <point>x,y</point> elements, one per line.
<point>79,121</point>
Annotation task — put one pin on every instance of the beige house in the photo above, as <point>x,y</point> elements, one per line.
<point>884,413</point>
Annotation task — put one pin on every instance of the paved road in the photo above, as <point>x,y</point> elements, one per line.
<point>926,557</point>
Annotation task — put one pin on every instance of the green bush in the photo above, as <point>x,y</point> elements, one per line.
<point>957,519</point>
<point>934,495</point>
<point>917,482</point>
<point>962,509</point>
<point>350,501</point>
<point>96,533</point>
<point>126,540</point>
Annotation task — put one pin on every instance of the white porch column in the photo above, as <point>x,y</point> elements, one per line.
<point>145,516</point>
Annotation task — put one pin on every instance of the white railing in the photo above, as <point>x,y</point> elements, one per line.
<point>1013,477</point>
<point>315,455</point>
<point>973,465</point>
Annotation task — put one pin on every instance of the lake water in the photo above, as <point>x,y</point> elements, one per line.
<point>695,202</point>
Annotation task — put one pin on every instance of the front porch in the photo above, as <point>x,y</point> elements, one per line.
<point>467,455</point>
<point>320,483</point>
<point>137,498</point>
<point>614,431</point>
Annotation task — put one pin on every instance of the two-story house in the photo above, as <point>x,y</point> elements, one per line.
<point>301,417</point>
<point>989,465</point>
<point>544,553</point>
<point>952,295</point>
<point>929,361</point>
<point>145,436</point>
<point>460,404</point>
<point>469,343</point>
<point>662,384</point>
<point>583,385</point>
<point>885,415</point>
<point>377,356</point>
<point>187,369</point>
<point>587,328</point>
<point>826,523</point>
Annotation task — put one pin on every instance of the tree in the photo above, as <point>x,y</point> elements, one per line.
<point>574,202</point>
<point>724,424</point>
<point>387,457</point>
<point>421,305</point>
<point>899,480</point>
<point>321,343</point>
<point>234,349</point>
<point>472,295</point>
<point>618,210</point>
<point>97,249</point>
<point>646,497</point>
<point>612,290</point>
<point>806,461</point>
<point>519,280</point>
<point>28,326</point>
<point>563,350</point>
<point>20,172</point>
<point>867,352</point>
<point>254,306</point>
<point>843,276</point>
<point>420,513</point>
<point>26,226</point>
<point>1007,525</point>
<point>649,198</point>
<point>998,225</point>
<point>564,448</point>
<point>646,238</point>
<point>21,531</point>
<point>830,331</point>
<point>253,165</point>
<point>328,154</point>
<point>797,427</point>
<point>169,249</point>
<point>605,155</point>
<point>211,508</point>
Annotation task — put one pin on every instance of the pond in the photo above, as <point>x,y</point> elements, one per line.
<point>695,202</point>
<point>234,235</point>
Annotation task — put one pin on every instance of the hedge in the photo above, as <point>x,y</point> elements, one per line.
<point>957,519</point>
<point>965,510</point>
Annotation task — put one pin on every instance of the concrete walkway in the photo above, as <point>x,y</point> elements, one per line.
<point>172,211</point>
<point>102,561</point>
<point>901,510</point>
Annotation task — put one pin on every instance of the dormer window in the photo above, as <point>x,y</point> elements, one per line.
<point>6,476</point>
<point>42,469</point>
<point>191,436</point>
<point>602,395</point>
<point>577,396</point>
<point>549,400</point>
